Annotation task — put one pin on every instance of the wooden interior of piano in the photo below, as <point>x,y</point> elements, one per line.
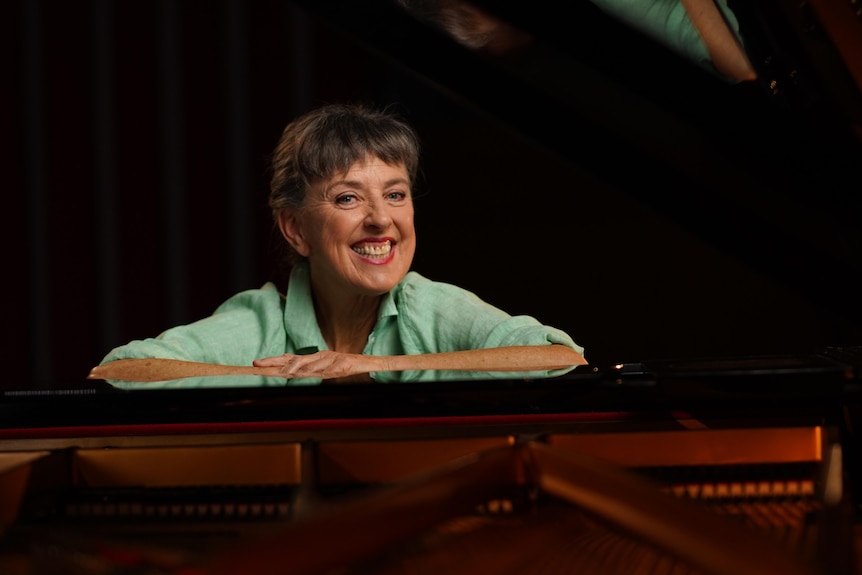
<point>686,500</point>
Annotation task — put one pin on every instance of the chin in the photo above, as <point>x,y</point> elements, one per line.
<point>378,287</point>
<point>380,283</point>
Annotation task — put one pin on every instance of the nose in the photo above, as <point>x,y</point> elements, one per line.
<point>378,215</point>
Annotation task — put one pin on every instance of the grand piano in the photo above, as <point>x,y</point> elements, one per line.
<point>722,463</point>
<point>735,465</point>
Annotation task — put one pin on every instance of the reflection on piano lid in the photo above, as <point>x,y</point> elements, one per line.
<point>716,156</point>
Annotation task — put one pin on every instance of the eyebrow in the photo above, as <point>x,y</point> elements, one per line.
<point>358,184</point>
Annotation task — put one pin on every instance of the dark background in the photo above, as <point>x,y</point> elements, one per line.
<point>600,184</point>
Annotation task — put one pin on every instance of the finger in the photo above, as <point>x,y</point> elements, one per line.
<point>309,366</point>
<point>294,365</point>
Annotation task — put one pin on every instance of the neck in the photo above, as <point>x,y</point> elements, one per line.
<point>345,325</point>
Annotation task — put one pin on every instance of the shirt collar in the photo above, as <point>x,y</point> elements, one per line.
<point>387,304</point>
<point>300,321</point>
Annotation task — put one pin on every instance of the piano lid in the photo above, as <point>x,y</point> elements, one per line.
<point>767,169</point>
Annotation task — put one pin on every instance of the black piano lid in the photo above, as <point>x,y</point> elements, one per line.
<point>754,157</point>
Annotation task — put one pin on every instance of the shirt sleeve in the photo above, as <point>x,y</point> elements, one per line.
<point>439,317</point>
<point>246,327</point>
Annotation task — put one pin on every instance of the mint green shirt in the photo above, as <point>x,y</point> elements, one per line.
<point>417,316</point>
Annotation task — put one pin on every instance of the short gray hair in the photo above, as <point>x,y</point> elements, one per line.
<point>328,141</point>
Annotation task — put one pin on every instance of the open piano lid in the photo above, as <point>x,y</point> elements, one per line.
<point>766,170</point>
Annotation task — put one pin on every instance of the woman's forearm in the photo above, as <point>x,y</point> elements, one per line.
<point>514,358</point>
<point>330,365</point>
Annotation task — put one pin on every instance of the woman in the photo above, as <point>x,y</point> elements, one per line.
<point>341,195</point>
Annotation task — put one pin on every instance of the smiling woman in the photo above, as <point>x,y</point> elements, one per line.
<point>341,195</point>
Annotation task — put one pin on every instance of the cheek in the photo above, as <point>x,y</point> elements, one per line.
<point>406,225</point>
<point>324,231</point>
<point>408,236</point>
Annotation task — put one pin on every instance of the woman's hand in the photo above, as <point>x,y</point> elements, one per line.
<point>324,364</point>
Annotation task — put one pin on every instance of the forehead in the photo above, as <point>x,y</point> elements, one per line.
<point>369,172</point>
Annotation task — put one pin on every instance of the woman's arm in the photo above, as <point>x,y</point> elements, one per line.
<point>335,365</point>
<point>330,364</point>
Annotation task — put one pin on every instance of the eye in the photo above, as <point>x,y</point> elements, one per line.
<point>396,196</point>
<point>346,200</point>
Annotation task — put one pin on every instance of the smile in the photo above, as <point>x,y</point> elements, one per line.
<point>379,250</point>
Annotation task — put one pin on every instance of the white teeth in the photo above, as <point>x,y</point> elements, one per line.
<point>374,250</point>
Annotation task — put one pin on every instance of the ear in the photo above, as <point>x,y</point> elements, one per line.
<point>289,224</point>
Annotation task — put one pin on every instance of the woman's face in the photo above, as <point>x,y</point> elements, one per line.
<point>356,229</point>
